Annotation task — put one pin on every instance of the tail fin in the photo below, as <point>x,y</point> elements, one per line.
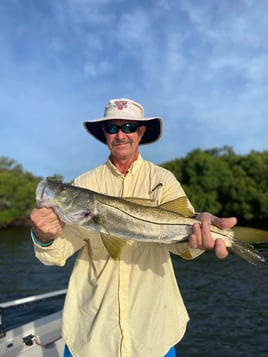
<point>250,235</point>
<point>247,252</point>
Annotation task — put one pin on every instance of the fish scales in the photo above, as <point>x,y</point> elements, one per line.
<point>118,220</point>
<point>147,224</point>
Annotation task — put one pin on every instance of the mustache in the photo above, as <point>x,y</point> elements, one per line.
<point>118,142</point>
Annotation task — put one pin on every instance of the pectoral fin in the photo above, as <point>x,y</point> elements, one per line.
<point>114,245</point>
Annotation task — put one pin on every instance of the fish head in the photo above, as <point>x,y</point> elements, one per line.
<point>73,205</point>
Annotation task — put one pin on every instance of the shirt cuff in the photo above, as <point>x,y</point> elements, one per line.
<point>34,238</point>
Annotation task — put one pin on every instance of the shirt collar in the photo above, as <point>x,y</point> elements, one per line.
<point>132,170</point>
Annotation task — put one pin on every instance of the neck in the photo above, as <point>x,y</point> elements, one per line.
<point>123,165</point>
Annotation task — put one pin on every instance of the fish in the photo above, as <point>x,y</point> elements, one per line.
<point>120,219</point>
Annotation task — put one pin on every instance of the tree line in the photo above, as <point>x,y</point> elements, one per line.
<point>216,180</point>
<point>17,193</point>
<point>226,184</point>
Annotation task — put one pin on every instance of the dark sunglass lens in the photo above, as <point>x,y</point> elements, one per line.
<point>111,128</point>
<point>126,128</point>
<point>129,127</point>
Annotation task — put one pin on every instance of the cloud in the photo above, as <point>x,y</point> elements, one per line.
<point>202,67</point>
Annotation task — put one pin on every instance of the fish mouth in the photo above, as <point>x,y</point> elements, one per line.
<point>40,192</point>
<point>44,195</point>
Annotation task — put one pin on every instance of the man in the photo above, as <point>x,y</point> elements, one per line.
<point>131,306</point>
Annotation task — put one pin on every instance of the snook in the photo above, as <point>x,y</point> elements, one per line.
<point>118,220</point>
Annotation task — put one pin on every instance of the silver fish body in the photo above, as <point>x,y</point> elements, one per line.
<point>118,220</point>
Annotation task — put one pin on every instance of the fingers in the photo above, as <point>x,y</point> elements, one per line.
<point>223,223</point>
<point>220,249</point>
<point>201,237</point>
<point>46,224</point>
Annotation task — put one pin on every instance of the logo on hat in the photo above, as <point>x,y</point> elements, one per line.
<point>121,104</point>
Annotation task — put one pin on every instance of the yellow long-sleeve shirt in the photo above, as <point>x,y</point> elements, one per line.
<point>131,307</point>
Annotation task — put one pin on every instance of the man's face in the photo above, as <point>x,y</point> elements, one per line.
<point>124,145</point>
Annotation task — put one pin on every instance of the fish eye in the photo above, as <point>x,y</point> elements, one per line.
<point>63,187</point>
<point>87,214</point>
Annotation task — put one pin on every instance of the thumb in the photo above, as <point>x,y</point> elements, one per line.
<point>224,223</point>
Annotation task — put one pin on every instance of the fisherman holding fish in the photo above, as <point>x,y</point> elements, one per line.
<point>129,304</point>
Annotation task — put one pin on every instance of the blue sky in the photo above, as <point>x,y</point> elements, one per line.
<point>200,65</point>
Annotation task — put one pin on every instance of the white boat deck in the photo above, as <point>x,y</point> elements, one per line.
<point>39,338</point>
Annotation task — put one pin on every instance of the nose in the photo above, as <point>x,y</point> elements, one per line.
<point>120,134</point>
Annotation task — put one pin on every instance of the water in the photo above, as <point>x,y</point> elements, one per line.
<point>22,275</point>
<point>226,300</point>
<point>228,306</point>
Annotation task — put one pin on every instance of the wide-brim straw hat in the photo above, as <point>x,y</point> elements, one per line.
<point>125,109</point>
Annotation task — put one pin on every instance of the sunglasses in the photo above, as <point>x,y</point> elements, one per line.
<point>126,128</point>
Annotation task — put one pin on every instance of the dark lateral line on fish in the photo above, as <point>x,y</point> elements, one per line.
<point>158,185</point>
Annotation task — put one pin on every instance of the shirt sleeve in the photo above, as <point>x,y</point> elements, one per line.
<point>62,248</point>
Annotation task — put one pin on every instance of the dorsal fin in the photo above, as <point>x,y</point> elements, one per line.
<point>179,205</point>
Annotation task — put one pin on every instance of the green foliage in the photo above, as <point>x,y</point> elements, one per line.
<point>226,184</point>
<point>216,180</point>
<point>17,192</point>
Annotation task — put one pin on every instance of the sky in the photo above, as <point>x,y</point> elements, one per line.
<point>201,65</point>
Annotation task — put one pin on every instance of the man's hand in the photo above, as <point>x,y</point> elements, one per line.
<point>201,237</point>
<point>46,224</point>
